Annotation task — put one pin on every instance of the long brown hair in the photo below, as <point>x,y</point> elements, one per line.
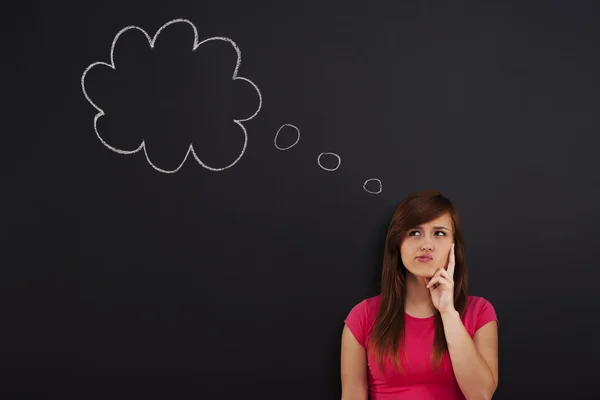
<point>389,329</point>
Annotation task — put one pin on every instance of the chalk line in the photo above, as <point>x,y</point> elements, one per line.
<point>329,154</point>
<point>197,44</point>
<point>373,179</point>
<point>293,144</point>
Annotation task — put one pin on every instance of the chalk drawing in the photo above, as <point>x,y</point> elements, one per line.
<point>293,144</point>
<point>329,154</point>
<point>373,192</point>
<point>197,44</point>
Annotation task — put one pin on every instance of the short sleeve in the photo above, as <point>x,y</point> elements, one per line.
<point>357,322</point>
<point>485,314</point>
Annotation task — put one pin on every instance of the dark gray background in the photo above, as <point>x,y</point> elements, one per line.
<point>122,282</point>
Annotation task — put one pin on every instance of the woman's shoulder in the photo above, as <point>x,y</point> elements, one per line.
<point>368,305</point>
<point>365,310</point>
<point>361,317</point>
<point>477,302</point>
<point>479,311</point>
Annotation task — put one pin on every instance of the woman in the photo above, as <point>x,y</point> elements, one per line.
<point>422,337</point>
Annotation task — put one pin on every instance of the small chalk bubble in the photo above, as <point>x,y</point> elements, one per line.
<point>339,161</point>
<point>289,131</point>
<point>371,183</point>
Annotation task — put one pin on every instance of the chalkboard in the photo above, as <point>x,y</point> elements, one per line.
<point>197,193</point>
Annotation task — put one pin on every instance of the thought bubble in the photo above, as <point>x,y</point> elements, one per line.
<point>190,149</point>
<point>372,185</point>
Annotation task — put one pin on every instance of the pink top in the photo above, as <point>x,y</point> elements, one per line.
<point>421,381</point>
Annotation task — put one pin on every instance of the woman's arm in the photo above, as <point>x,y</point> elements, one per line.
<point>474,361</point>
<point>353,368</point>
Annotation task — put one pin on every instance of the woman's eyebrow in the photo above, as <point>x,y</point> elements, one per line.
<point>435,227</point>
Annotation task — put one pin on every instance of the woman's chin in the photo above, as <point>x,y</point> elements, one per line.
<point>423,272</point>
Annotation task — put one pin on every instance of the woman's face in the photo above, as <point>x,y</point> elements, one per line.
<point>426,248</point>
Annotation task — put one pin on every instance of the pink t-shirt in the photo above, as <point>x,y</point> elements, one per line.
<point>420,380</point>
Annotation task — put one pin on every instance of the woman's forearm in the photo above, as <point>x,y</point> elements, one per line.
<point>474,376</point>
<point>355,394</point>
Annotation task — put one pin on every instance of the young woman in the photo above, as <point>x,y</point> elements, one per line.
<point>423,337</point>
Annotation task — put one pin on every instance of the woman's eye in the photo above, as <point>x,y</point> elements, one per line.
<point>437,233</point>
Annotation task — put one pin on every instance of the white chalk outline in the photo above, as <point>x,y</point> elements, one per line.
<point>197,44</point>
<point>293,144</point>
<point>373,179</point>
<point>332,154</point>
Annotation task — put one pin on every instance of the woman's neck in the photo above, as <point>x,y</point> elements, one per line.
<point>418,299</point>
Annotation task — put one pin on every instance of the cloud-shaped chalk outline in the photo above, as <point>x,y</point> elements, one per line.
<point>197,44</point>
<point>293,144</point>
<point>373,192</point>
<point>329,154</point>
